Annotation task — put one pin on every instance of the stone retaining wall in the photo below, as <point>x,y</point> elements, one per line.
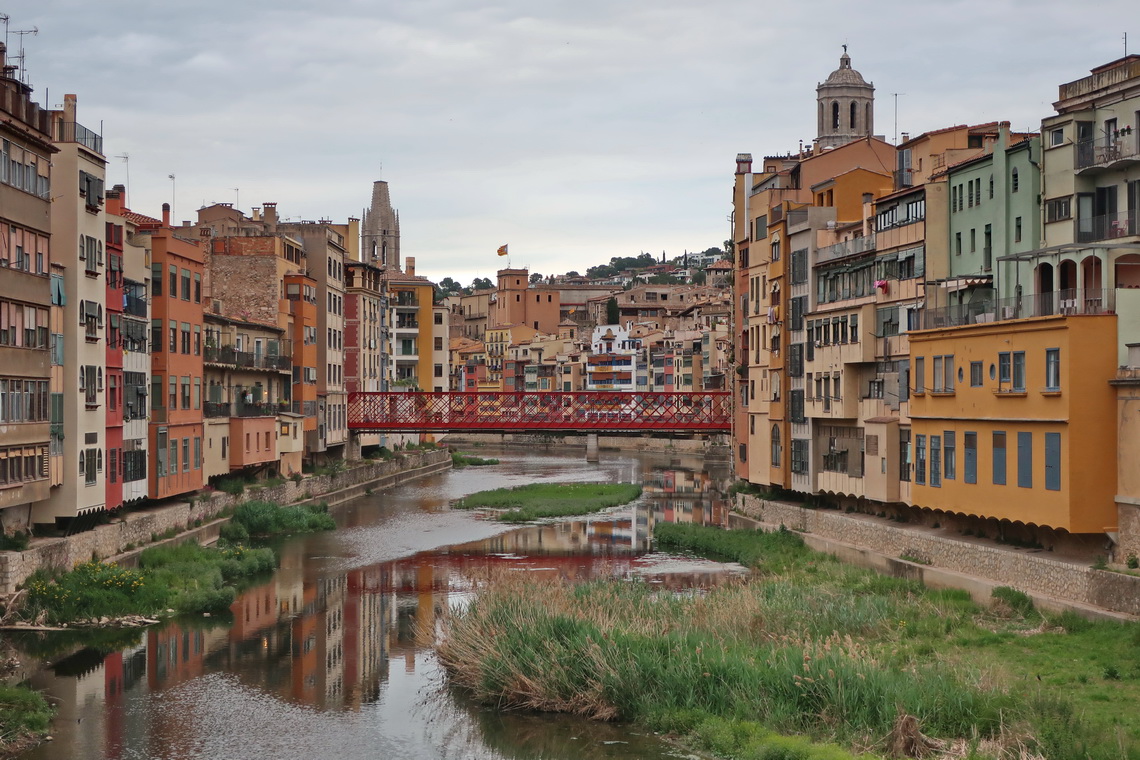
<point>142,527</point>
<point>1032,573</point>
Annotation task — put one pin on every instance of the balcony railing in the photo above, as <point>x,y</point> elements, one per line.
<point>230,355</point>
<point>216,409</point>
<point>846,248</point>
<point>256,409</point>
<point>1106,227</point>
<point>71,131</point>
<point>306,408</point>
<point>1057,302</point>
<point>407,324</point>
<point>134,306</point>
<point>1105,151</point>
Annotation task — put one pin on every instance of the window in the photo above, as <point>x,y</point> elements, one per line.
<point>975,374</point>
<point>920,459</point>
<point>935,461</point>
<point>904,455</point>
<point>185,455</point>
<point>173,271</point>
<point>776,446</point>
<point>957,243</point>
<point>197,287</point>
<point>973,240</point>
<point>1025,460</point>
<point>185,284</point>
<point>944,374</point>
<point>1014,181</point>
<point>1056,137</point>
<point>1052,369</point>
<point>799,456</point>
<point>186,338</point>
<point>1005,369</point>
<point>949,455</point>
<point>970,444</point>
<point>991,187</point>
<point>1017,230</point>
<point>1019,370</point>
<point>920,374</point>
<point>1058,209</point>
<point>1053,461</point>
<point>761,228</point>
<point>185,392</point>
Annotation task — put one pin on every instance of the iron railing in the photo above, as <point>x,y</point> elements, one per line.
<point>72,131</point>
<point>1106,227</point>
<point>1104,151</point>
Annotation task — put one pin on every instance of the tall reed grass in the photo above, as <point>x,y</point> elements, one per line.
<point>542,500</point>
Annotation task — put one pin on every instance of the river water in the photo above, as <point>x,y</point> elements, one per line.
<point>329,658</point>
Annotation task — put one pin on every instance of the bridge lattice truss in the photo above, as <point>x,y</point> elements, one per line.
<point>541,412</point>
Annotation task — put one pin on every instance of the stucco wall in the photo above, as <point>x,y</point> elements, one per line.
<point>1029,572</point>
<point>137,528</point>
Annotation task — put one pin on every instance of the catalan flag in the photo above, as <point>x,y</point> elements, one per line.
<point>502,250</point>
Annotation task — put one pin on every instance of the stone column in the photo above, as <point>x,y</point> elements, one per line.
<point>591,447</point>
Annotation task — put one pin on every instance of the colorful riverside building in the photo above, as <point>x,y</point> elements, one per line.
<point>176,342</point>
<point>128,354</point>
<point>29,292</point>
<point>78,216</point>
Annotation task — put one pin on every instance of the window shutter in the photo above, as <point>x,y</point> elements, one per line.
<point>1025,460</point>
<point>82,248</point>
<point>1053,461</point>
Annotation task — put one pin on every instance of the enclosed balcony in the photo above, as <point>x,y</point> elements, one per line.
<point>1119,150</point>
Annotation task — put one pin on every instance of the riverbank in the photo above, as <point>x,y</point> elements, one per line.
<point>822,650</point>
<point>201,518</point>
<point>941,560</point>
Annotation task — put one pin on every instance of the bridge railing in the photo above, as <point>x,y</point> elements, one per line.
<point>541,411</point>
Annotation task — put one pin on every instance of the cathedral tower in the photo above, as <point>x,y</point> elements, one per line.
<point>380,230</point>
<point>846,106</point>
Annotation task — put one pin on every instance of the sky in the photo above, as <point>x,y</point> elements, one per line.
<point>571,130</point>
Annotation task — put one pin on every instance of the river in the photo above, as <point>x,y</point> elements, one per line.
<point>332,657</point>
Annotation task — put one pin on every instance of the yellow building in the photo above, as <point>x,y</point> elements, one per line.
<point>1012,421</point>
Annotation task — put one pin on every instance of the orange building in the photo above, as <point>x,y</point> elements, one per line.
<point>176,414</point>
<point>518,302</point>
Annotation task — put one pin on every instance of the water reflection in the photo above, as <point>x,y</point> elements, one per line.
<point>332,655</point>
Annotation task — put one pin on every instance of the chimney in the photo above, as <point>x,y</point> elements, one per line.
<point>166,215</point>
<point>410,265</point>
<point>116,200</point>
<point>69,109</point>
<point>269,215</point>
<point>743,163</point>
<point>905,137</point>
<point>256,213</point>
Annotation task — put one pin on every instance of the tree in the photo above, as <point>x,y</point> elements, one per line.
<point>573,273</point>
<point>699,278</point>
<point>664,279</point>
<point>481,283</point>
<point>448,286</point>
<point>613,314</point>
<point>535,278</point>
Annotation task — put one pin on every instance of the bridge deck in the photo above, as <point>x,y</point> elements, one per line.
<point>541,412</point>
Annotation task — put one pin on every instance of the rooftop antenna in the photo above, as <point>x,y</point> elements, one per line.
<point>1126,44</point>
<point>126,159</point>
<point>896,94</point>
<point>21,69</point>
<point>237,198</point>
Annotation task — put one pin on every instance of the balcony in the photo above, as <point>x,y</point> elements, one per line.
<point>215,409</point>
<point>72,131</point>
<point>407,324</point>
<point>1117,151</point>
<point>305,408</point>
<point>228,354</point>
<point>1106,227</point>
<point>257,408</point>
<point>1058,302</point>
<point>847,248</point>
<point>134,306</point>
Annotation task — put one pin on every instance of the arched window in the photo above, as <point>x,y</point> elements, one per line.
<point>776,446</point>
<point>835,114</point>
<point>853,107</point>
<point>1013,180</point>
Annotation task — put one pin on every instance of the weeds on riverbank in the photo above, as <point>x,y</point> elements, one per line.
<point>812,647</point>
<point>459,460</point>
<point>539,500</point>
<point>265,518</point>
<point>184,577</point>
<point>25,717</point>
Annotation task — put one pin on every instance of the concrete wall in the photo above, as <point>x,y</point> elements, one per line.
<point>137,528</point>
<point>984,565</point>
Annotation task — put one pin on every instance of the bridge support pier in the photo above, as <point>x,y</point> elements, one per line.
<point>591,447</point>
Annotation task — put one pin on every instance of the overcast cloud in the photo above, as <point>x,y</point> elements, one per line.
<point>574,131</point>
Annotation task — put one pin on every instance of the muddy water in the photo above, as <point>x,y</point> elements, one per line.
<point>329,659</point>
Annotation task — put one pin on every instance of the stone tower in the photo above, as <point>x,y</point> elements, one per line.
<point>380,230</point>
<point>846,106</point>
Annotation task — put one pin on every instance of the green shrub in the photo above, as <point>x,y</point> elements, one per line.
<point>1018,601</point>
<point>264,518</point>
<point>23,713</point>
<point>540,500</point>
<point>460,461</point>
<point>14,542</point>
<point>234,532</point>
<point>232,486</point>
<point>1133,562</point>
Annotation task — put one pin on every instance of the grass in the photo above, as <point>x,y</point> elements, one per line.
<point>540,500</point>
<point>186,577</point>
<point>809,658</point>
<point>24,717</point>
<point>460,461</point>
<point>265,518</point>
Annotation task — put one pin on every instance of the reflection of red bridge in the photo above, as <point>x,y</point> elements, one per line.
<point>541,412</point>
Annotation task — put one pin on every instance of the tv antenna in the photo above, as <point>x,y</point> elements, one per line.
<point>126,159</point>
<point>19,67</point>
<point>896,96</point>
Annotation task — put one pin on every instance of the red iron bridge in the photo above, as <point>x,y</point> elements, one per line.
<point>585,412</point>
